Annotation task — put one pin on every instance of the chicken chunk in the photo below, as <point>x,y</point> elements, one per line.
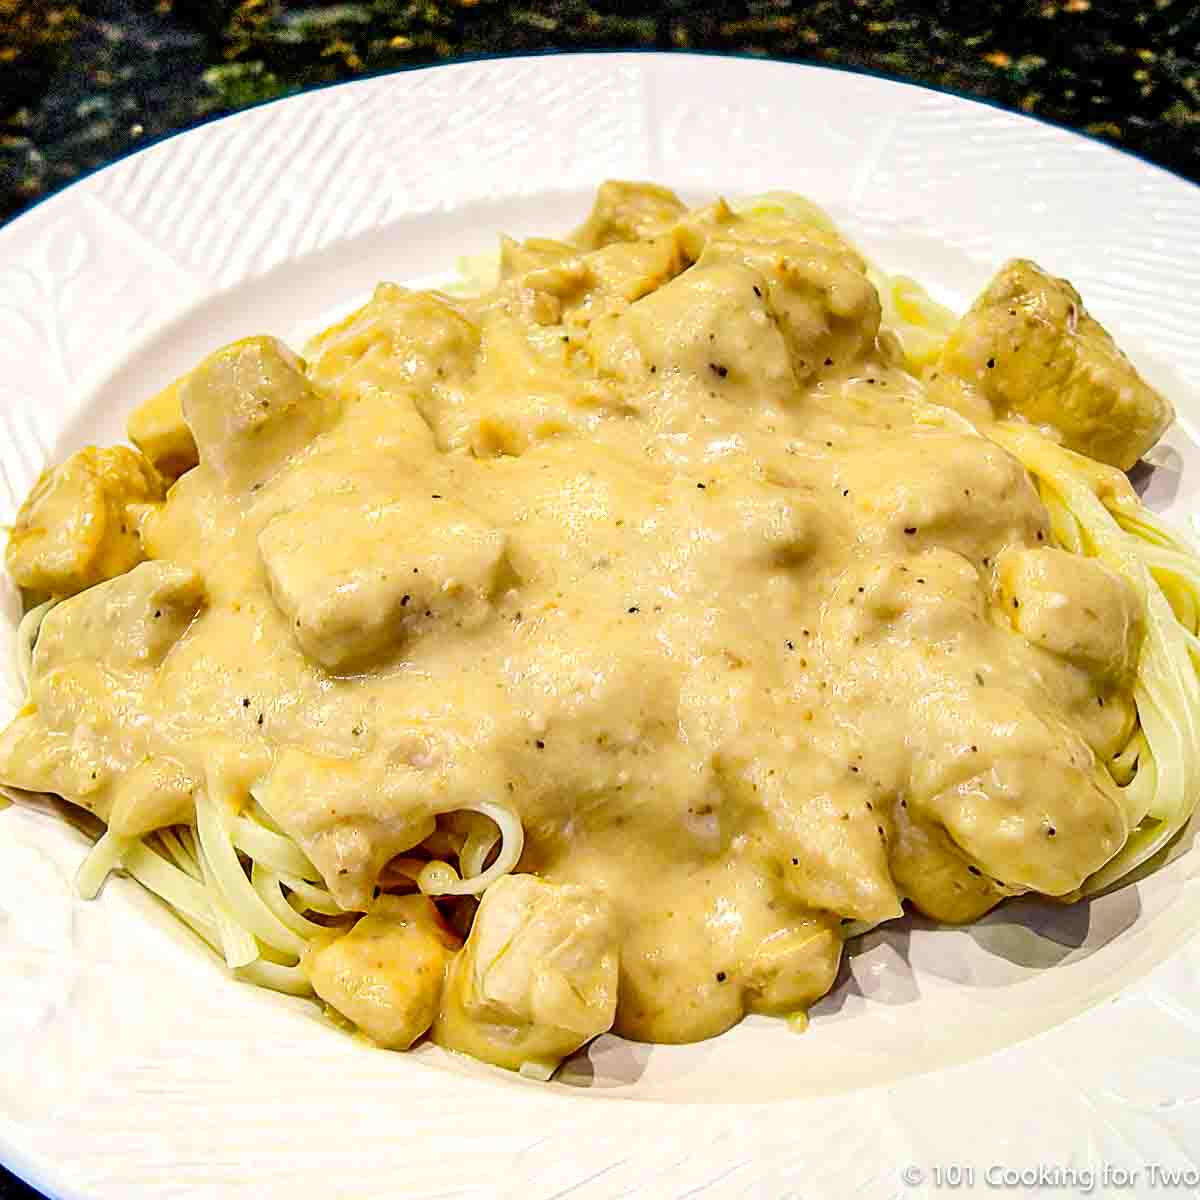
<point>1075,607</point>
<point>947,489</point>
<point>130,621</point>
<point>400,340</point>
<point>1030,348</point>
<point>627,212</point>
<point>349,820</point>
<point>1026,803</point>
<point>158,792</point>
<point>816,285</point>
<point>95,654</point>
<point>386,974</point>
<point>710,327</point>
<point>533,254</point>
<point>251,409</point>
<point>81,522</point>
<point>935,874</point>
<point>552,285</point>
<point>357,576</point>
<point>537,977</point>
<point>157,428</point>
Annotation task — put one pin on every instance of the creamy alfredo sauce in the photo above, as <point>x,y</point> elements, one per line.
<point>657,543</point>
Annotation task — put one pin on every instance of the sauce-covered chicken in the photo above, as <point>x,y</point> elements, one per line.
<point>1029,348</point>
<point>657,546</point>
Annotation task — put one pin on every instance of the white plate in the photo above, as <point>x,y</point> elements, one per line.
<point>1044,1037</point>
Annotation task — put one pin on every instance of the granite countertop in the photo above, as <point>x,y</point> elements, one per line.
<point>86,83</point>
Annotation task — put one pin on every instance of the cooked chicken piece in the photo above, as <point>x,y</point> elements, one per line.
<point>158,430</point>
<point>399,339</point>
<point>386,974</point>
<point>516,258</point>
<point>80,523</point>
<point>130,621</point>
<point>1026,803</point>
<point>158,792</point>
<point>1030,349</point>
<point>1074,606</point>
<point>626,212</point>
<point>537,977</point>
<point>709,328</point>
<point>945,488</point>
<point>349,821</point>
<point>251,410</point>
<point>816,285</point>
<point>95,654</point>
<point>357,576</point>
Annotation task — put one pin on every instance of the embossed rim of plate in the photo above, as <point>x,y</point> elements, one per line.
<point>106,266</point>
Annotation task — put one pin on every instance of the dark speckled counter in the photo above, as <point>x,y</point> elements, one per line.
<point>83,84</point>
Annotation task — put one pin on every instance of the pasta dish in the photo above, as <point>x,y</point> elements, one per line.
<point>600,642</point>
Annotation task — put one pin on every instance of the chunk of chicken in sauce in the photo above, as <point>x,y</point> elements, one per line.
<point>1029,348</point>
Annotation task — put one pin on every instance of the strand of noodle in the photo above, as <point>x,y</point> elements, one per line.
<point>440,879</point>
<point>267,884</point>
<point>245,904</point>
<point>1193,643</point>
<point>410,868</point>
<point>1180,595</point>
<point>1125,763</point>
<point>309,897</point>
<point>185,860</point>
<point>106,855</point>
<point>279,978</point>
<point>1138,791</point>
<point>260,814</point>
<point>188,897</point>
<point>27,635</point>
<point>276,851</point>
<point>206,933</point>
<point>237,944</point>
<point>475,851</point>
<point>1148,525</point>
<point>1062,520</point>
